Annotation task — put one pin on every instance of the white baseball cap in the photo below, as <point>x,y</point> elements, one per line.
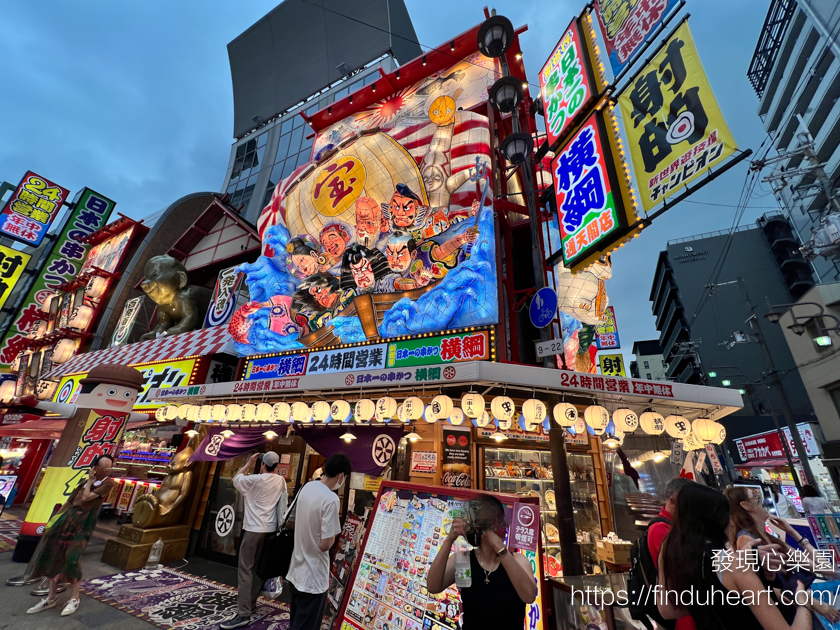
<point>270,458</point>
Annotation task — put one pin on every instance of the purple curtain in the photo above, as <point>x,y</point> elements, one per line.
<point>369,453</point>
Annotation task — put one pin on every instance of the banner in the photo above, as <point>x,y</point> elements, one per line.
<point>435,350</point>
<point>625,26</point>
<point>611,364</point>
<point>675,130</point>
<point>606,333</point>
<point>223,302</point>
<point>84,438</point>
<point>31,209</point>
<point>126,324</point>
<point>69,252</point>
<point>12,264</point>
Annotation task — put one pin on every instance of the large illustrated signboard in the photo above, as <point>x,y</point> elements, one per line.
<point>381,234</point>
<point>404,534</point>
<point>31,209</point>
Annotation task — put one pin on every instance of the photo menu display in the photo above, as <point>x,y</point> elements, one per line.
<point>389,588</point>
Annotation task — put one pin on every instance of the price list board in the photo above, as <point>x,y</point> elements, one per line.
<point>388,588</point>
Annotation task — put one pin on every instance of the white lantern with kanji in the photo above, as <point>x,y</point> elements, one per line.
<point>597,417</point>
<point>341,411</point>
<point>386,407</point>
<point>321,411</point>
<point>232,414</point>
<point>193,413</point>
<point>472,405</point>
<point>413,408</point>
<point>652,423</point>
<point>720,436</point>
<point>62,351</point>
<point>96,286</point>
<point>301,413</point>
<point>205,413</point>
<point>482,421</point>
<point>264,412</point>
<point>677,426</point>
<point>249,412</point>
<point>281,412</point>
<point>429,416</point>
<point>502,408</point>
<point>534,411</point>
<point>578,427</point>
<point>441,406</point>
<point>456,418</point>
<point>365,408</point>
<point>625,420</point>
<point>565,414</point>
<point>692,443</point>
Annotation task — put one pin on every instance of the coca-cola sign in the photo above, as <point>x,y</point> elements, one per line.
<point>457,458</point>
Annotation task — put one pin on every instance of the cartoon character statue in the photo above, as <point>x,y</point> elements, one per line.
<point>166,506</point>
<point>180,306</point>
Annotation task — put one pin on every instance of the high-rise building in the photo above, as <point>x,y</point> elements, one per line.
<point>795,72</point>
<point>649,363</point>
<point>296,60</point>
<point>699,298</point>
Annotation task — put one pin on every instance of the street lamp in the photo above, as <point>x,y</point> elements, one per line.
<point>800,324</point>
<point>506,94</point>
<point>495,36</point>
<point>516,147</point>
<point>726,382</point>
<point>712,374</point>
<point>797,328</point>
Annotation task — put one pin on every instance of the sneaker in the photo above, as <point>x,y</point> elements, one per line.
<point>70,607</point>
<point>42,605</point>
<point>236,622</point>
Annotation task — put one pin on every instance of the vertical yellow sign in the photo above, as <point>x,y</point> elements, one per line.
<point>611,364</point>
<point>12,264</point>
<point>675,130</point>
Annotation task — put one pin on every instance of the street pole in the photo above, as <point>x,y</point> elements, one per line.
<point>776,385</point>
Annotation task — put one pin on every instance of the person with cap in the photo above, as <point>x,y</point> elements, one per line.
<point>265,496</point>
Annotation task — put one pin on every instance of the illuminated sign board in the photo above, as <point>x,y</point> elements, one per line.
<point>12,264</point>
<point>473,346</point>
<point>31,209</point>
<point>606,332</point>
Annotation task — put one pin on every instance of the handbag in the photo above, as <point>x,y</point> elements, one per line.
<point>278,549</point>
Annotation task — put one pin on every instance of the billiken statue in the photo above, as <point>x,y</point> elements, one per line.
<point>180,306</point>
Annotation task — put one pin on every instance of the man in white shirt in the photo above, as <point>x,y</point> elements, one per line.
<point>262,494</point>
<point>316,526</point>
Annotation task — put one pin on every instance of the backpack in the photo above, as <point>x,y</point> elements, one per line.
<point>642,580</point>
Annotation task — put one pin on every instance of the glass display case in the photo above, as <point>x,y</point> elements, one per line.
<point>528,472</point>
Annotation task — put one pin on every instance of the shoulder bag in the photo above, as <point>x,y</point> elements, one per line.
<point>278,548</point>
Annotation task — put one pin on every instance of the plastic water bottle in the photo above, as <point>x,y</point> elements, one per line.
<point>154,554</point>
<point>463,571</point>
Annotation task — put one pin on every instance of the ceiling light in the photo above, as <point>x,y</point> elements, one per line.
<point>823,341</point>
<point>498,436</point>
<point>270,435</point>
<point>348,437</point>
<point>228,433</point>
<point>413,437</point>
<point>773,317</point>
<point>191,433</point>
<point>659,456</point>
<point>797,328</point>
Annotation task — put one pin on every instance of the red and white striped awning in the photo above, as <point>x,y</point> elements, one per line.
<point>192,344</point>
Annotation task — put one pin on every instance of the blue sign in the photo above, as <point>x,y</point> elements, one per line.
<point>543,307</point>
<point>276,367</point>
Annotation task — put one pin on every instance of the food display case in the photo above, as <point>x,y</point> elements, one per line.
<point>528,473</point>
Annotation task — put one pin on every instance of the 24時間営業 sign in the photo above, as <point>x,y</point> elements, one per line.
<point>31,209</point>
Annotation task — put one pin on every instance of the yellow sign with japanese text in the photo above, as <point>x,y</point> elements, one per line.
<point>675,130</point>
<point>12,264</point>
<point>611,364</point>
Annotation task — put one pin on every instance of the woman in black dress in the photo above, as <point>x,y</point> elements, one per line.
<point>503,582</point>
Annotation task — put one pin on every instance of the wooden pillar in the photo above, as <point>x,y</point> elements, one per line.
<point>569,549</point>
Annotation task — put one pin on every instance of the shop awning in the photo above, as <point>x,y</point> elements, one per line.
<point>192,344</point>
<point>764,463</point>
<point>51,428</point>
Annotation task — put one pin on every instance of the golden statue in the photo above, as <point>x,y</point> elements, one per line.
<point>165,506</point>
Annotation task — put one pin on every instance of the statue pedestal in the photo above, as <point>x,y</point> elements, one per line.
<point>130,550</point>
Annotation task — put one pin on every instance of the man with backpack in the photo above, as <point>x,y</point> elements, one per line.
<point>644,561</point>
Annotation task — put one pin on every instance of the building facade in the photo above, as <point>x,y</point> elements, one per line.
<point>701,310</point>
<point>795,72</point>
<point>649,362</point>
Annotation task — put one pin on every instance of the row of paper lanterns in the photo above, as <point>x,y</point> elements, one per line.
<point>596,420</point>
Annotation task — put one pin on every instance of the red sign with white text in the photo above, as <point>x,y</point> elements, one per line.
<point>524,530</point>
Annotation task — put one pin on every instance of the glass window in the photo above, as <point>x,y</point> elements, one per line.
<point>262,139</point>
<point>298,121</point>
<point>294,143</point>
<point>307,143</point>
<point>258,158</point>
<point>288,169</point>
<point>251,145</point>
<point>234,201</point>
<point>316,106</point>
<point>246,194</point>
<point>237,167</point>
<point>647,376</point>
<point>232,187</point>
<point>286,127</point>
<point>647,366</point>
<point>276,174</point>
<point>242,183</point>
<point>283,147</point>
<point>240,150</point>
<point>267,197</point>
<point>341,93</point>
<point>373,76</point>
<point>355,86</point>
<point>303,158</point>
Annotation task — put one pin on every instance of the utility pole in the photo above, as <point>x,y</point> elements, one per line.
<point>775,384</point>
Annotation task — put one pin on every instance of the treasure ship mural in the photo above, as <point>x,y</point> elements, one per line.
<point>387,231</point>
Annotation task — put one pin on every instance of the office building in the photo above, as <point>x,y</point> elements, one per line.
<point>649,362</point>
<point>296,60</point>
<point>795,72</point>
<point>702,314</point>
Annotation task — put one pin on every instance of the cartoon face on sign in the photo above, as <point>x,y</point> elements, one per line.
<point>113,387</point>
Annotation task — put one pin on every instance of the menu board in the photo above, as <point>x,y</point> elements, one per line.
<point>345,560</point>
<point>388,589</point>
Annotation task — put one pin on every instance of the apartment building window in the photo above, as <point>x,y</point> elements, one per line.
<point>647,366</point>
<point>647,376</point>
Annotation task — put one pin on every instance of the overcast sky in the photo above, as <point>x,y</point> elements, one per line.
<point>134,99</point>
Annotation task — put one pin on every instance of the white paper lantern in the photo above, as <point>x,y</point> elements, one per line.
<point>386,407</point>
<point>231,413</point>
<point>721,433</point>
<point>37,329</point>
<point>441,406</point>
<point>505,424</point>
<point>401,414</point>
<point>96,286</point>
<point>596,431</point>
<point>364,410</point>
<point>429,416</point>
<point>81,317</point>
<point>264,412</point>
<point>63,350</point>
<point>184,411</point>
<point>503,408</point>
<point>321,411</point>
<point>160,413</point>
<point>249,412</point>
<point>578,427</point>
<point>413,408</point>
<point>597,417</point>
<point>472,405</point>
<point>205,413</point>
<point>704,429</point>
<point>15,366</point>
<point>625,420</point>
<point>7,390</point>
<point>193,413</point>
<point>565,414</point>
<point>482,421</point>
<point>692,443</point>
<point>456,418</point>
<point>652,423</point>
<point>301,412</point>
<point>534,411</point>
<point>281,412</point>
<point>45,307</point>
<point>677,426</point>
<point>170,412</point>
<point>341,411</point>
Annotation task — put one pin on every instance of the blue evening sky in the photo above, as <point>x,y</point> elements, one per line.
<point>134,100</point>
